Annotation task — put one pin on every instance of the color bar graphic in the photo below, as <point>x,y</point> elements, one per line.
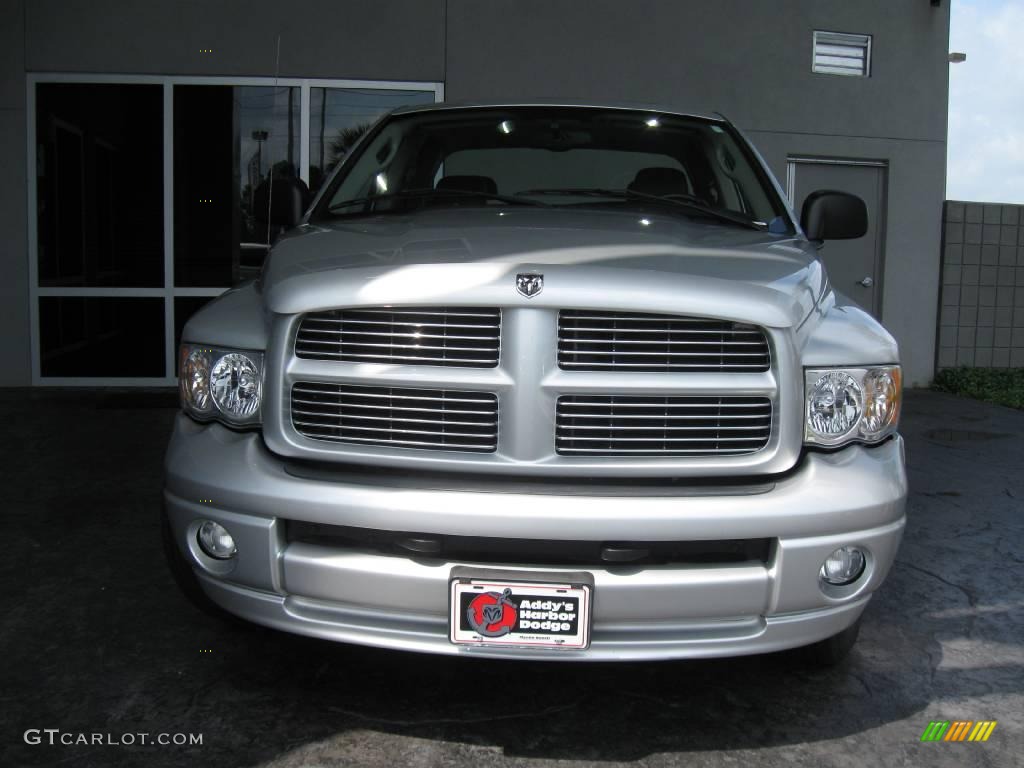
<point>958,730</point>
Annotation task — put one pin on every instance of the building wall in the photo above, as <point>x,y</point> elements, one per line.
<point>379,40</point>
<point>981,320</point>
<point>751,61</point>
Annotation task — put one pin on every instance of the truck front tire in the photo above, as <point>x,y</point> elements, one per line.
<point>832,650</point>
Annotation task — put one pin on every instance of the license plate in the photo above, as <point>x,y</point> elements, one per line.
<point>496,612</point>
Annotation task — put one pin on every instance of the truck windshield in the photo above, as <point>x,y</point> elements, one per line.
<point>555,156</point>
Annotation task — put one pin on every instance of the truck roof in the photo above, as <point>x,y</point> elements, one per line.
<point>625,106</point>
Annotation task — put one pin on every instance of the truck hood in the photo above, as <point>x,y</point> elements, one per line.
<point>590,258</point>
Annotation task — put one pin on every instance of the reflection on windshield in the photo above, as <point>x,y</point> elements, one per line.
<point>557,156</point>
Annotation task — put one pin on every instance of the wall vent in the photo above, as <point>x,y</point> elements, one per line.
<point>837,53</point>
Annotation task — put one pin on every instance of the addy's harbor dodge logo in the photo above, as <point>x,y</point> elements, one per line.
<point>491,614</point>
<point>958,730</point>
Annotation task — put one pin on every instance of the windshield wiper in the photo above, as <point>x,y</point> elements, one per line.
<point>431,192</point>
<point>676,198</point>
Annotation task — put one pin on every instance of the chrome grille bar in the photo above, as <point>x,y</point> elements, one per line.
<point>466,337</point>
<point>607,341</point>
<point>444,420</point>
<point>653,425</point>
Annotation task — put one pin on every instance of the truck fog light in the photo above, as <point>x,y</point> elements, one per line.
<point>843,566</point>
<point>215,540</point>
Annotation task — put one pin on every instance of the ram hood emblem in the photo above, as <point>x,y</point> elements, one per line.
<point>529,283</point>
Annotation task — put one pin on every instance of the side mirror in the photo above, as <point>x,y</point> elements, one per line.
<point>286,208</point>
<point>831,215</point>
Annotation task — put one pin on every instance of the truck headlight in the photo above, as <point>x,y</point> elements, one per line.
<point>222,384</point>
<point>194,380</point>
<point>851,404</point>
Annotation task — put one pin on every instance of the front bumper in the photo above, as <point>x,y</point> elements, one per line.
<point>853,496</point>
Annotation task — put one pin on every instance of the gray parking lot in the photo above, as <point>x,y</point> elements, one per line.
<point>96,638</point>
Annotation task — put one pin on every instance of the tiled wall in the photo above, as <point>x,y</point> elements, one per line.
<point>981,316</point>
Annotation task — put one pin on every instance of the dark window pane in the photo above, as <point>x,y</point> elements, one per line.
<point>226,142</point>
<point>99,165</point>
<point>80,336</point>
<point>339,116</point>
<point>184,308</point>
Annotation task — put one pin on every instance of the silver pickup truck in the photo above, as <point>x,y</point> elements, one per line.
<point>542,382</point>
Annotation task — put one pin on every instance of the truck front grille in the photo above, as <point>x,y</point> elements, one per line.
<point>433,419</point>
<point>632,341</point>
<point>653,425</point>
<point>465,337</point>
<point>534,391</point>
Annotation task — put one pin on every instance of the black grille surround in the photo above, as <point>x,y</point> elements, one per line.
<point>594,340</point>
<point>501,551</point>
<point>425,419</point>
<point>656,425</point>
<point>464,337</point>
